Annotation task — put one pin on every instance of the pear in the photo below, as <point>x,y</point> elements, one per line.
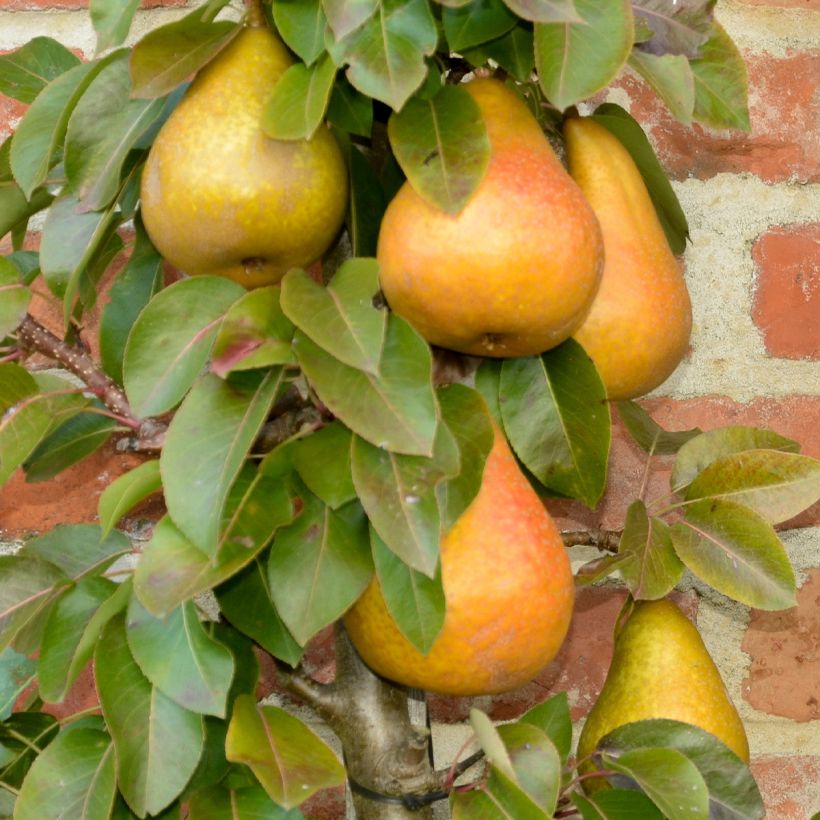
<point>514,272</point>
<point>637,330</point>
<point>509,591</point>
<point>219,196</point>
<point>661,669</point>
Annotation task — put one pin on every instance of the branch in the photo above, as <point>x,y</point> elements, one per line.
<point>604,540</point>
<point>321,697</point>
<point>32,336</point>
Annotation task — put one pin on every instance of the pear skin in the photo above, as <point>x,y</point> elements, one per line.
<point>661,669</point>
<point>512,274</point>
<point>638,328</point>
<point>509,591</point>
<point>219,196</point>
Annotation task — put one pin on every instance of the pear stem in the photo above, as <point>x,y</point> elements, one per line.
<point>255,17</point>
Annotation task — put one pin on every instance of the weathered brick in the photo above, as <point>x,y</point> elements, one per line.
<point>784,675</point>
<point>10,113</point>
<point>809,5</point>
<point>787,296</point>
<point>790,785</point>
<point>784,143</point>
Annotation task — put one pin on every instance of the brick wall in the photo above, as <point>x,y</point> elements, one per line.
<point>752,268</point>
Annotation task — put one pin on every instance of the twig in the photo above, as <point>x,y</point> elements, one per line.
<point>320,696</point>
<point>604,540</point>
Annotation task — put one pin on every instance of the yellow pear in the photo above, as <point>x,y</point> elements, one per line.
<point>512,274</point>
<point>219,196</point>
<point>509,592</point>
<point>637,330</point>
<point>662,669</point>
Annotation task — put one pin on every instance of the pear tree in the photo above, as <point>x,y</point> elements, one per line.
<point>280,408</point>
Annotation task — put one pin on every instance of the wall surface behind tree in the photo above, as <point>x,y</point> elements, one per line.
<point>754,272</point>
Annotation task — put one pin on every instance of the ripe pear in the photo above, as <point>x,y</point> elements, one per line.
<point>661,669</point>
<point>509,591</point>
<point>512,274</point>
<point>221,197</point>
<point>637,330</point>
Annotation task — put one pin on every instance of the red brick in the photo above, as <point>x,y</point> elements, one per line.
<point>783,144</point>
<point>10,113</point>
<point>790,785</point>
<point>796,417</point>
<point>784,675</point>
<point>787,297</point>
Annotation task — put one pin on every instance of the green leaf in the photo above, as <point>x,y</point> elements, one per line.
<point>668,777</point>
<point>649,434</point>
<point>721,83</point>
<point>301,24</point>
<point>15,209</point>
<point>206,444</point>
<point>488,383</point>
<point>714,445</point>
<point>125,492</point>
<point>499,798</point>
<point>395,409</point>
<point>168,55</point>
<point>341,318</point>
<point>553,718</point>
<point>670,76</point>
<point>74,777</point>
<point>254,333</point>
<point>38,138</point>
<point>733,793</point>
<point>576,60</point>
<point>105,125</point>
<point>491,742</point>
<point>71,239</point>
<point>245,600</point>
<point>180,659</point>
<point>600,568</point>
<point>72,630</point>
<point>385,56</point>
<point>299,100</point>
<point>513,51</point>
<point>288,759</point>
<point>655,569</point>
<point>367,202</point>
<point>415,601</point>
<point>476,22</point>
<point>536,763</point>
<point>22,737</point>
<point>399,495</point>
<point>17,672</point>
<point>14,298</point>
<point>663,197</point>
<point>71,442</point>
<point>250,803</point>
<point>616,804</point>
<point>442,146</point>
<point>345,16</point>
<point>775,484</point>
<point>737,552</point>
<point>546,11</point>
<point>465,414</point>
<point>557,419</point>
<point>27,415</point>
<point>350,111</point>
<point>24,73</point>
<point>132,290</point>
<point>323,463</point>
<point>675,28</point>
<point>318,566</point>
<point>158,743</point>
<point>79,550</point>
<point>112,21</point>
<point>171,340</point>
